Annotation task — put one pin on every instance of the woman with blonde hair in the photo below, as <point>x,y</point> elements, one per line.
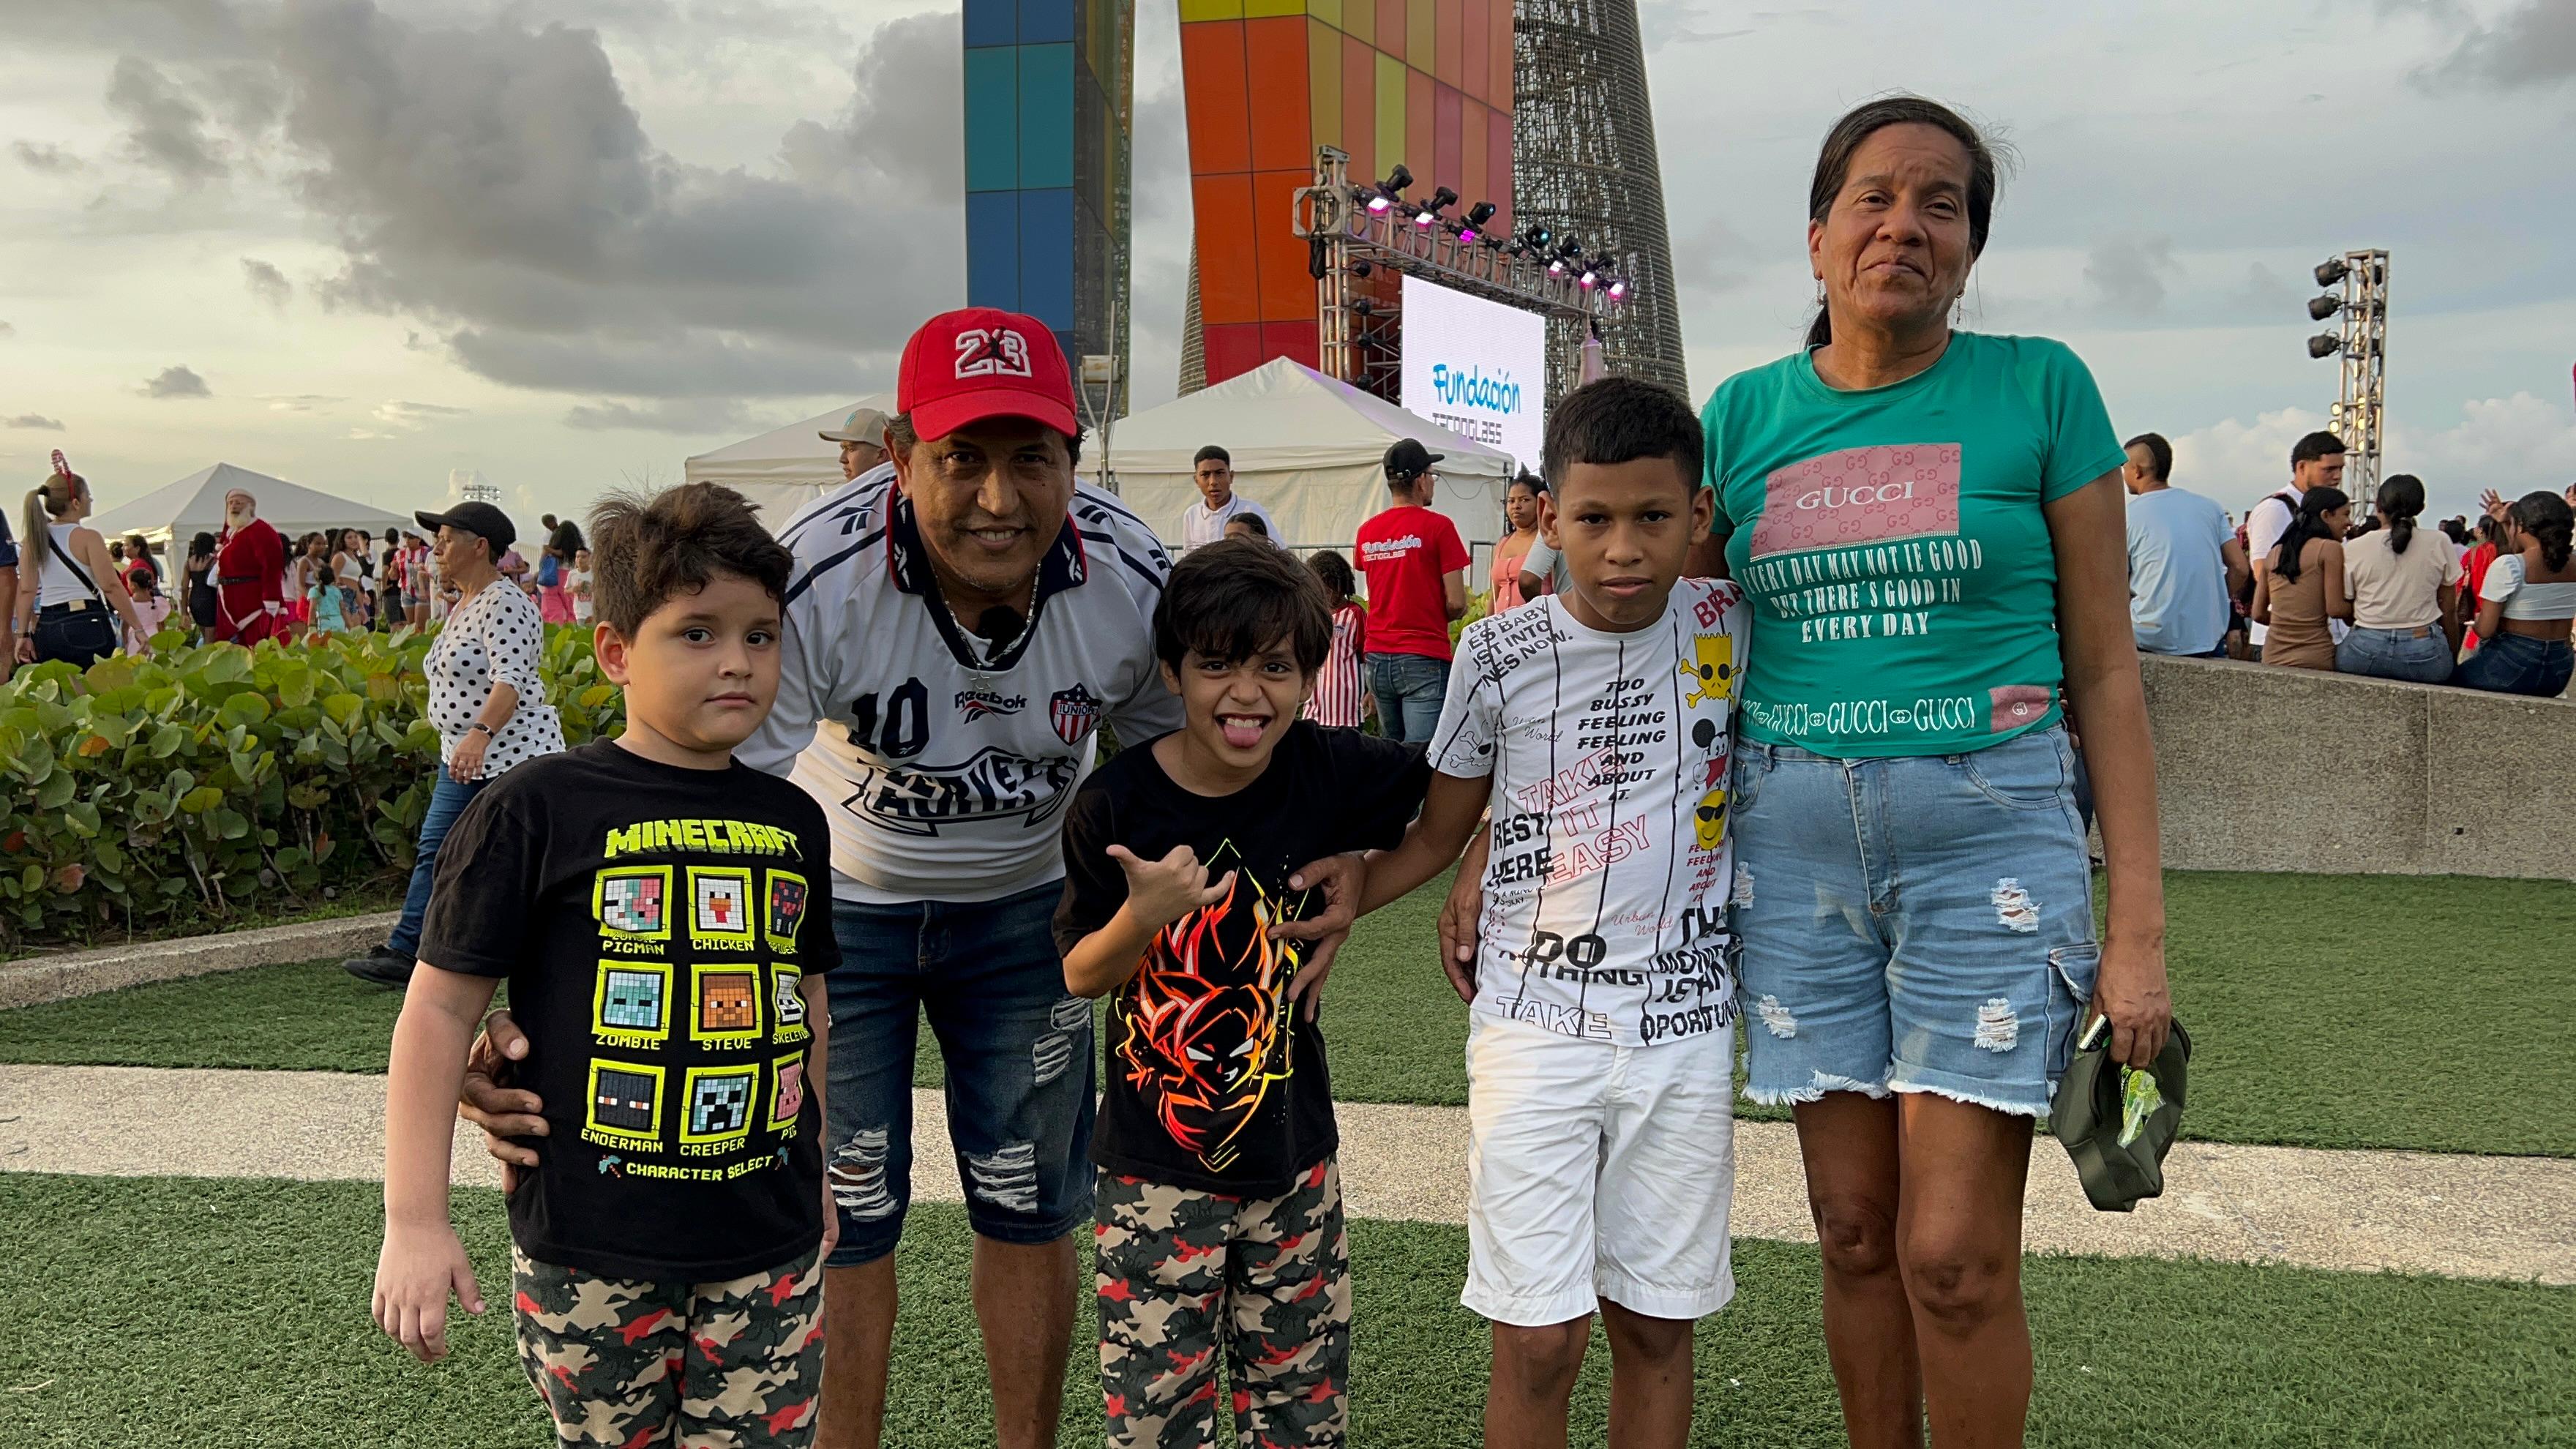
<point>63,612</point>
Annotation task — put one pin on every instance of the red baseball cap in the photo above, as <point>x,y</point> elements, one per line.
<point>982,362</point>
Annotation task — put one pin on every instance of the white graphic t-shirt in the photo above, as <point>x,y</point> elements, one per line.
<point>1605,895</point>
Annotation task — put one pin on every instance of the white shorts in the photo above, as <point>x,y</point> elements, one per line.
<point>1597,1171</point>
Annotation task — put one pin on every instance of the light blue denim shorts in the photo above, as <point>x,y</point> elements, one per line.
<point>1922,924</point>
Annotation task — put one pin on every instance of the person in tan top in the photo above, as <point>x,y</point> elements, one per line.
<point>2405,623</point>
<point>2301,584</point>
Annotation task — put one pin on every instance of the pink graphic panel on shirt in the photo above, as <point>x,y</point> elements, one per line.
<point>1860,496</point>
<point>2010,706</point>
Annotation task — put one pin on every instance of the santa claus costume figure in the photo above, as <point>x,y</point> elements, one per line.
<point>250,564</point>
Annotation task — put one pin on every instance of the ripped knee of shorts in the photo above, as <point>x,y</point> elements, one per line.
<point>860,1183</point>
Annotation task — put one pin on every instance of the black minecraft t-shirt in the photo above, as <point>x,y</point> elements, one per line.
<point>653,922</point>
<point>1214,1081</point>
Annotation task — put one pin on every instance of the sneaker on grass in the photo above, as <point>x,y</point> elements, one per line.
<point>383,965</point>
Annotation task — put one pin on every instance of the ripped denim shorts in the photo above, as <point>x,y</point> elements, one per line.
<point>1922,924</point>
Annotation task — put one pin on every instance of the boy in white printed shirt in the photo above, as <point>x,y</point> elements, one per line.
<point>1596,725</point>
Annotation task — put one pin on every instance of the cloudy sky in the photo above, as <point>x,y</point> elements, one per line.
<point>358,243</point>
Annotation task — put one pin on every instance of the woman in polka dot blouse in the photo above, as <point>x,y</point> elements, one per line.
<point>484,698</point>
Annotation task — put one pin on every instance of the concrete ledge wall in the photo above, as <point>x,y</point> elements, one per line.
<point>2264,768</point>
<point>53,978</point>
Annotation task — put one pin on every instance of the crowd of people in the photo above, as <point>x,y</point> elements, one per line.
<point>72,594</point>
<point>2305,583</point>
<point>1752,666</point>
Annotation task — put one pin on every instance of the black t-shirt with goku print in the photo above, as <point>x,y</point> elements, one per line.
<point>654,923</point>
<point>1215,1080</point>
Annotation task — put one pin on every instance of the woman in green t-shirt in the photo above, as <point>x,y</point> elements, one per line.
<point>1930,525</point>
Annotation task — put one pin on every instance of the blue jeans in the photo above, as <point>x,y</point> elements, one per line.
<point>447,800</point>
<point>2518,664</point>
<point>1020,1067</point>
<point>1921,924</point>
<point>2396,654</point>
<point>1410,689</point>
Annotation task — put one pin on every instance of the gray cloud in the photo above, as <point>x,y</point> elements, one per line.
<point>6,330</point>
<point>900,129</point>
<point>33,420</point>
<point>299,402</point>
<point>177,382</point>
<point>166,128</point>
<point>495,183</point>
<point>684,415</point>
<point>182,29</point>
<point>266,283</point>
<point>2127,274</point>
<point>46,157</point>
<point>1711,259</point>
<point>2532,46</point>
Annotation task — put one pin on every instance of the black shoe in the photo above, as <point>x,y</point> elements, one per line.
<point>384,966</point>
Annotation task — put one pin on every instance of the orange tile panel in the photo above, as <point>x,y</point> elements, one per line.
<point>1275,59</point>
<point>1229,284</point>
<point>1287,288</point>
<point>1215,98</point>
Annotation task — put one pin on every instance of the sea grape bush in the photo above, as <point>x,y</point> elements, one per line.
<point>210,782</point>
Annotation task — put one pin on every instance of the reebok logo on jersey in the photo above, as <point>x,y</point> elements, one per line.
<point>975,704</point>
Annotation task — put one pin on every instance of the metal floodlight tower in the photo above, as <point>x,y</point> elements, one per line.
<point>2357,284</point>
<point>1584,165</point>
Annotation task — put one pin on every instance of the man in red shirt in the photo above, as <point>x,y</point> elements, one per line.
<point>1417,582</point>
<point>250,565</point>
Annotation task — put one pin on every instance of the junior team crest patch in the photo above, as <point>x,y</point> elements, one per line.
<point>1075,713</point>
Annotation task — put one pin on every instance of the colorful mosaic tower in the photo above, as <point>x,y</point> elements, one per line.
<point>1049,111</point>
<point>1425,83</point>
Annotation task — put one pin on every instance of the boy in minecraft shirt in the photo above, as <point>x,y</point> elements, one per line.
<point>650,902</point>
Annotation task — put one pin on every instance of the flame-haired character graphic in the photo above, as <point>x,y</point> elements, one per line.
<point>1203,1036</point>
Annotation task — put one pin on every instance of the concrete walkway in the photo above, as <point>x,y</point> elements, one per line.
<point>2485,1217</point>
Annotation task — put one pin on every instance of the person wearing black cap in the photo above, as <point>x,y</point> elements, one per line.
<point>484,697</point>
<point>1417,583</point>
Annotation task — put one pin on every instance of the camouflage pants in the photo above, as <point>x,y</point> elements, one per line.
<point>1182,1271</point>
<point>730,1365</point>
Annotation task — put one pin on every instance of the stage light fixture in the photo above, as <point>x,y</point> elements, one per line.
<point>2332,271</point>
<point>1537,238</point>
<point>2324,344</point>
<point>1589,277</point>
<point>1363,307</point>
<point>2320,308</point>
<point>1430,212</point>
<point>1556,266</point>
<point>1361,269</point>
<point>1619,290</point>
<point>1477,215</point>
<point>1399,178</point>
<point>1379,202</point>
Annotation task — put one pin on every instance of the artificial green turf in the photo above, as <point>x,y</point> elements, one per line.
<point>160,1311</point>
<point>2429,1013</point>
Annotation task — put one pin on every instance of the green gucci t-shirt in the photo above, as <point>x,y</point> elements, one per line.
<point>1904,592</point>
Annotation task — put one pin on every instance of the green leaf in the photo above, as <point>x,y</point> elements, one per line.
<point>243,710</point>
<point>295,685</point>
<point>83,818</point>
<point>167,740</point>
<point>201,800</point>
<point>229,823</point>
<point>597,695</point>
<point>344,708</point>
<point>57,791</point>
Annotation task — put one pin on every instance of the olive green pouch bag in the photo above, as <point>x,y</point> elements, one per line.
<point>2117,1122</point>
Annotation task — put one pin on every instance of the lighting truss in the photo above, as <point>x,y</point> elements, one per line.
<point>2362,345</point>
<point>1334,217</point>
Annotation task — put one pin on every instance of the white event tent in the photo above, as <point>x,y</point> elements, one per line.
<point>1310,450</point>
<point>784,470</point>
<point>195,504</point>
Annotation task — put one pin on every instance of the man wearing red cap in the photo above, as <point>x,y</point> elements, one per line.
<point>961,622</point>
<point>250,574</point>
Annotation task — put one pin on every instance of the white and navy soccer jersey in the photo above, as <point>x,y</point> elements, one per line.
<point>943,763</point>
